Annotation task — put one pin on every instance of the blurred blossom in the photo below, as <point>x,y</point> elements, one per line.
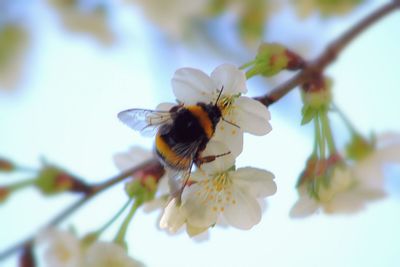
<point>174,17</point>
<point>352,185</point>
<point>106,254</point>
<point>13,43</point>
<point>64,249</point>
<point>85,16</point>
<point>325,7</point>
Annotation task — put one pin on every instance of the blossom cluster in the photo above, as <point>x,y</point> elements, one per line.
<point>334,181</point>
<point>218,190</point>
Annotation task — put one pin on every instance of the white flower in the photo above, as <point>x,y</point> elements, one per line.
<point>62,249</point>
<point>135,156</point>
<point>218,189</point>
<point>174,218</point>
<point>86,18</point>
<point>353,186</point>
<point>191,86</point>
<point>105,254</point>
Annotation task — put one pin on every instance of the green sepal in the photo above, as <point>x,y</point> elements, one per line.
<point>47,180</point>
<point>89,239</point>
<point>359,147</point>
<point>308,114</point>
<point>270,60</point>
<point>143,190</point>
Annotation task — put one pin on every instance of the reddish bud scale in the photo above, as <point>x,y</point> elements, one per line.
<point>4,193</point>
<point>6,166</point>
<point>316,83</point>
<point>319,167</point>
<point>154,171</point>
<point>295,62</point>
<point>64,181</point>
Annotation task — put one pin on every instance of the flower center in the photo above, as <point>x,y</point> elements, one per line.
<point>226,104</point>
<point>217,192</point>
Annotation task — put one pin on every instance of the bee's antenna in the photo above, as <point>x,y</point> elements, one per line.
<point>220,93</point>
<point>231,123</point>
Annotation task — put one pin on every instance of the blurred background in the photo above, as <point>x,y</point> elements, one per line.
<point>67,67</point>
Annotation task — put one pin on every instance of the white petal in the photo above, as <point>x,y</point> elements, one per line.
<point>220,164</point>
<point>201,234</point>
<point>245,213</point>
<point>165,106</point>
<point>63,249</point>
<point>304,207</point>
<point>231,78</point>
<point>192,85</point>
<point>172,218</point>
<point>258,182</point>
<point>352,201</point>
<point>252,116</point>
<point>231,136</point>
<point>368,173</point>
<point>388,139</point>
<point>134,157</point>
<point>198,211</point>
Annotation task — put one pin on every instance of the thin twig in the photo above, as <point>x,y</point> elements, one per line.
<point>96,189</point>
<point>329,55</point>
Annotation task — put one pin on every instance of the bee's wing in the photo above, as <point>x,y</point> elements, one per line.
<point>178,177</point>
<point>148,122</point>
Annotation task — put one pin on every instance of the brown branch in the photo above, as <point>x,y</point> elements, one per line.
<point>329,55</point>
<point>95,190</point>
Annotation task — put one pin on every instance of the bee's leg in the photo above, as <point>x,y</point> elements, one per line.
<point>201,160</point>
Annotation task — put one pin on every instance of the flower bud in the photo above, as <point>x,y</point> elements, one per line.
<point>144,183</point>
<point>53,180</point>
<point>6,165</point>
<point>272,58</point>
<point>317,93</point>
<point>318,173</point>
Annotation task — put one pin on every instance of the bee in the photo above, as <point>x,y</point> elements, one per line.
<point>182,133</point>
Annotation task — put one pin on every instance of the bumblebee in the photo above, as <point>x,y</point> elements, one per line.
<point>182,133</point>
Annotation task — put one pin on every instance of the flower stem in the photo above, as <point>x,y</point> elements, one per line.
<point>327,131</point>
<point>321,137</point>
<point>120,238</point>
<point>352,129</point>
<point>246,65</point>
<point>21,185</point>
<point>114,218</point>
<point>251,73</point>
